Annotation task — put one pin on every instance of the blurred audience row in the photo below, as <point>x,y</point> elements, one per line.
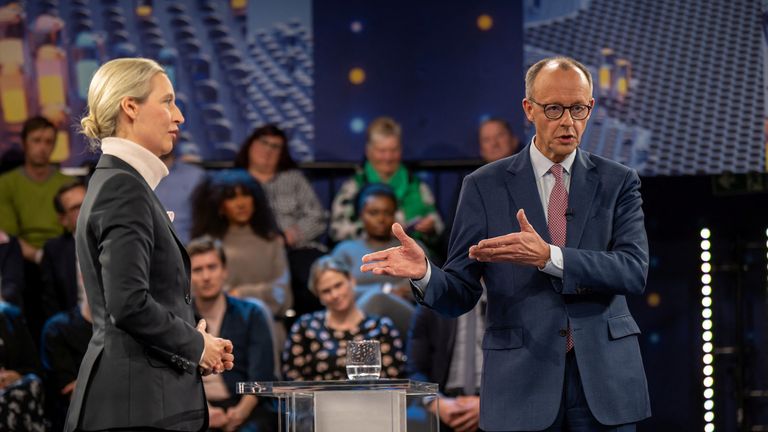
<point>261,269</point>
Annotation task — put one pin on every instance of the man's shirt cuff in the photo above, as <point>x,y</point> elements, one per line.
<point>554,266</point>
<point>421,284</point>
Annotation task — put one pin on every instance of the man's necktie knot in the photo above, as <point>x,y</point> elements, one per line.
<point>557,171</point>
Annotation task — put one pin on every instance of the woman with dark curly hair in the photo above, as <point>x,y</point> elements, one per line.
<point>232,207</point>
<point>299,215</point>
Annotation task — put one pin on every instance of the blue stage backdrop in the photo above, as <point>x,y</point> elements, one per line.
<point>437,67</point>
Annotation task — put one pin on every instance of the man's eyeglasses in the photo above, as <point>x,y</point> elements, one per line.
<point>555,111</point>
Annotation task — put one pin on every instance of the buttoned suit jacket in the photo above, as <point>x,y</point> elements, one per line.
<point>524,349</point>
<point>140,370</point>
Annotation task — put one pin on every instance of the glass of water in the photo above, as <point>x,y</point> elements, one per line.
<point>363,359</point>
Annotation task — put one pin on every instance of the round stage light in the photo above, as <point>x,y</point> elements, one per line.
<point>705,233</point>
<point>484,22</point>
<point>654,299</point>
<point>356,76</point>
<point>357,125</point>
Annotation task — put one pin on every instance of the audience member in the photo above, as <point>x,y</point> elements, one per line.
<point>26,209</point>
<point>21,390</point>
<point>62,347</point>
<point>26,193</point>
<point>416,202</point>
<point>59,266</point>
<point>316,348</point>
<point>242,322</point>
<point>298,212</point>
<point>375,207</point>
<point>496,140</point>
<point>11,271</point>
<point>175,192</point>
<point>231,206</point>
<point>447,351</point>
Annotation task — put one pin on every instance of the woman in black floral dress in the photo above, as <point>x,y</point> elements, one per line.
<point>316,347</point>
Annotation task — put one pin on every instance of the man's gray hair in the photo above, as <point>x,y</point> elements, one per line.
<point>562,62</point>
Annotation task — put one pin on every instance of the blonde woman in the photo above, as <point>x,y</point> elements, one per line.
<point>143,364</point>
<point>317,346</point>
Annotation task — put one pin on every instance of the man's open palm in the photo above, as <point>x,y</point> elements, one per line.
<point>407,260</point>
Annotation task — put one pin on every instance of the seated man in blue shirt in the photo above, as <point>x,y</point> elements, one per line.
<point>246,325</point>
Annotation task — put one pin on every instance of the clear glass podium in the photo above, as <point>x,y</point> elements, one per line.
<point>382,405</point>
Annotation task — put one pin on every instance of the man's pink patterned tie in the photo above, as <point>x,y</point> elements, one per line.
<point>556,222</point>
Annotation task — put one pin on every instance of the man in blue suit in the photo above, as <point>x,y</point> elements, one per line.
<point>557,235</point>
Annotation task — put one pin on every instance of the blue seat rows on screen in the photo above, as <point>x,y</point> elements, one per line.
<point>176,8</point>
<point>123,49</point>
<point>679,73</point>
<point>181,20</point>
<point>266,79</point>
<point>79,12</point>
<point>614,139</point>
<point>150,31</point>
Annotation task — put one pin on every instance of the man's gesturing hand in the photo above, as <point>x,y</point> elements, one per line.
<point>407,260</point>
<point>524,247</point>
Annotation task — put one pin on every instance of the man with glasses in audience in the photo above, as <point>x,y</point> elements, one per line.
<point>59,266</point>
<point>557,237</point>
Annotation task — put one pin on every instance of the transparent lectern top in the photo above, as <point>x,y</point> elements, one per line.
<point>285,388</point>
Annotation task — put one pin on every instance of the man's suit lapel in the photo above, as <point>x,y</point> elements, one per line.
<point>584,181</point>
<point>521,184</point>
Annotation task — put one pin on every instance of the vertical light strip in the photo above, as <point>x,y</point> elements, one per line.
<point>708,360</point>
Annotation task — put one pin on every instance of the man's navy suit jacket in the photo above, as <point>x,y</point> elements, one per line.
<point>605,257</point>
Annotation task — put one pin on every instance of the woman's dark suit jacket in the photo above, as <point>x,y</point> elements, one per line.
<point>140,370</point>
